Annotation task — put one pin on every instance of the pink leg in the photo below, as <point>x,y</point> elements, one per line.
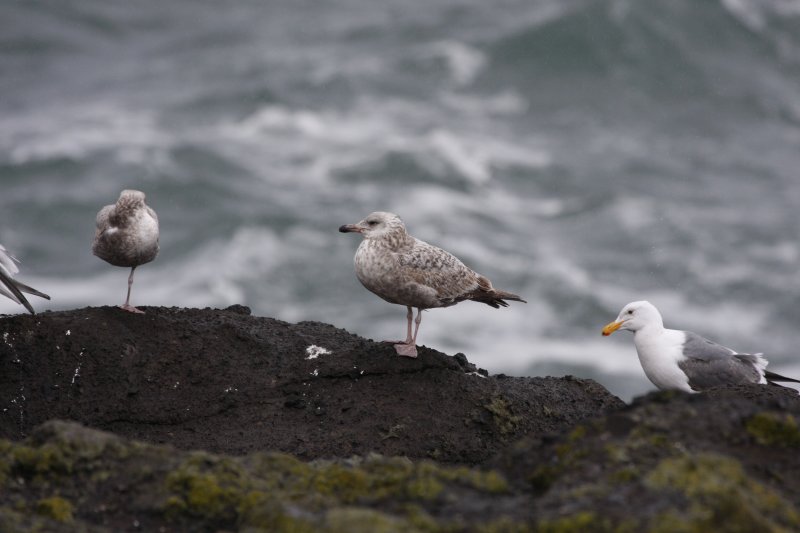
<point>409,338</point>
<point>127,306</point>
<point>409,316</point>
<point>409,348</point>
<point>418,321</point>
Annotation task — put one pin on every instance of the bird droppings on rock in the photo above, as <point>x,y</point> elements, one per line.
<point>314,351</point>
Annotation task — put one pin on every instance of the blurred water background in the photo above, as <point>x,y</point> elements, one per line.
<point>581,153</point>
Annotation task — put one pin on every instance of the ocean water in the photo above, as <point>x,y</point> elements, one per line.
<point>581,153</point>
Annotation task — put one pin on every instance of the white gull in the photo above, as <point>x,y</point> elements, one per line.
<point>682,360</point>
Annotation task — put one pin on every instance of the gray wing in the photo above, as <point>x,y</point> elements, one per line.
<point>708,364</point>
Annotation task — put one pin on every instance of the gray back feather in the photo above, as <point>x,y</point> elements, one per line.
<point>709,364</point>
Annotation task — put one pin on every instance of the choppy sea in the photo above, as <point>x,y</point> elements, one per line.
<point>581,153</point>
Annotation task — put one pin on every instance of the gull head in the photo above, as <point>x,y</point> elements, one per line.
<point>131,197</point>
<point>376,225</point>
<point>635,316</point>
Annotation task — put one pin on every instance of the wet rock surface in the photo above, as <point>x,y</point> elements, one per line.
<point>222,421</point>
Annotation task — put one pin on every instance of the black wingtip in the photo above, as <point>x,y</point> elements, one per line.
<point>16,289</point>
<point>772,376</point>
<point>30,290</point>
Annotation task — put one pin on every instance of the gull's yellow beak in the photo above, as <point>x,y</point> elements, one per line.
<point>611,328</point>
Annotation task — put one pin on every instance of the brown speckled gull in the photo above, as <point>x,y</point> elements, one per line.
<point>11,287</point>
<point>127,235</point>
<point>407,271</point>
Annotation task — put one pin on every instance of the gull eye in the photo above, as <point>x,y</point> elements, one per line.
<point>630,311</point>
<point>372,222</point>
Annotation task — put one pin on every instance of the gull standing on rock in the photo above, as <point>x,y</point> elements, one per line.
<point>683,360</point>
<point>407,271</point>
<point>127,235</point>
<point>11,287</point>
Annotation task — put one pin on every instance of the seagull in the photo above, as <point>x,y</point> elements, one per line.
<point>407,271</point>
<point>11,287</point>
<point>127,235</point>
<point>685,361</point>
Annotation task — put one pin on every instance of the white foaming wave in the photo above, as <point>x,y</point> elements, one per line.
<point>429,206</point>
<point>323,142</point>
<point>754,13</point>
<point>747,12</point>
<point>787,252</point>
<point>475,156</point>
<point>329,126</point>
<point>464,62</point>
<point>313,143</point>
<point>474,165</point>
<point>634,213</point>
<point>324,71</point>
<point>78,130</point>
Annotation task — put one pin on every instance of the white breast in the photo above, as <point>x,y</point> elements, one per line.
<point>659,354</point>
<point>147,228</point>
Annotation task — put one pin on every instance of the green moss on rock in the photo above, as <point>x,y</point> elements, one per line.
<point>359,520</point>
<point>567,456</point>
<point>773,429</point>
<point>274,491</point>
<point>503,417</point>
<point>29,462</point>
<point>207,487</point>
<point>577,523</point>
<point>56,508</point>
<point>720,497</point>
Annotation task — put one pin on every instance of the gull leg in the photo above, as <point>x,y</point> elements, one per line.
<point>409,338</point>
<point>127,306</point>
<point>409,348</point>
<point>409,316</point>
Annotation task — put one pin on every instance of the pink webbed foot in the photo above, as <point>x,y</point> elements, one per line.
<point>406,350</point>
<point>131,309</point>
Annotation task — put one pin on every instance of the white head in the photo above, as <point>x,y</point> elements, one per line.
<point>635,316</point>
<point>376,225</point>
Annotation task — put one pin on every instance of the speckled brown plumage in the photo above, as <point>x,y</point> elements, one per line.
<point>126,235</point>
<point>407,271</point>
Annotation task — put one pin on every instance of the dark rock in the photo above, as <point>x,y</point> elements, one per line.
<point>67,478</point>
<point>227,382</point>
<point>563,454</point>
<point>725,460</point>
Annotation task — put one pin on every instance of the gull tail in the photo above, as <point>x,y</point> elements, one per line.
<point>496,298</point>
<point>772,377</point>
<point>15,289</point>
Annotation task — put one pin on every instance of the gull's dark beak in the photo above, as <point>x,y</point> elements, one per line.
<point>348,228</point>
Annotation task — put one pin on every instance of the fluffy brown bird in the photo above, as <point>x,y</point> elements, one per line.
<point>407,271</point>
<point>127,235</point>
